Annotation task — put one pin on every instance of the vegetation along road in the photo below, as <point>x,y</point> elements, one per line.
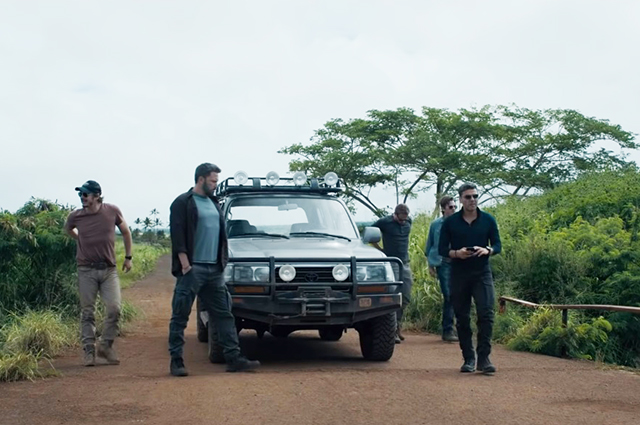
<point>308,381</point>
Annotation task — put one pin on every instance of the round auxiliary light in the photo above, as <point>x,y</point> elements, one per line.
<point>272,178</point>
<point>331,178</point>
<point>340,272</point>
<point>299,178</point>
<point>240,178</point>
<point>287,273</point>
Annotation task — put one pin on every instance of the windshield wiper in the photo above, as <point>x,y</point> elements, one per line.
<point>320,234</point>
<point>259,235</point>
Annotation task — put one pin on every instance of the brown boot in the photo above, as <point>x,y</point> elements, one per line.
<point>399,333</point>
<point>89,356</point>
<point>106,351</point>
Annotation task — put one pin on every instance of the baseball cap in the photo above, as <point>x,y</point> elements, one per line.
<point>90,186</point>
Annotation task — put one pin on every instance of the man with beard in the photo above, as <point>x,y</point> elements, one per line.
<point>199,256</point>
<point>469,237</point>
<point>93,227</point>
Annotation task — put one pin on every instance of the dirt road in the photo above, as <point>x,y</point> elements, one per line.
<point>307,381</point>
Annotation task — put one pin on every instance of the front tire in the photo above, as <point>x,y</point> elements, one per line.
<point>377,337</point>
<point>331,334</point>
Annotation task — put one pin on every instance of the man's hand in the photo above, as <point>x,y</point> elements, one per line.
<point>464,253</point>
<point>432,271</point>
<point>186,270</point>
<point>481,251</point>
<point>126,266</point>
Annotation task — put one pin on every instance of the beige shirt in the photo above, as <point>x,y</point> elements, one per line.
<point>96,234</point>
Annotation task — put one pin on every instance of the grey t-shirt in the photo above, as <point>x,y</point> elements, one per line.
<point>207,236</point>
<point>395,237</point>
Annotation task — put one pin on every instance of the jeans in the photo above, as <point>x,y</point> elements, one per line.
<point>444,275</point>
<point>476,284</point>
<point>407,284</point>
<point>205,281</point>
<point>91,282</point>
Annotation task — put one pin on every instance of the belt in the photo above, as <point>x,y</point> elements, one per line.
<point>102,265</point>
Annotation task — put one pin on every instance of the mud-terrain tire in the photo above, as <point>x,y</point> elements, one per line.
<point>378,337</point>
<point>279,332</point>
<point>331,334</point>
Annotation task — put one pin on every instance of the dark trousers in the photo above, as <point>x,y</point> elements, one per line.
<point>444,276</point>
<point>407,285</point>
<point>205,281</point>
<point>476,284</point>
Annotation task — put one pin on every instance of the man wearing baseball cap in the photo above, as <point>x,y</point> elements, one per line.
<point>93,228</point>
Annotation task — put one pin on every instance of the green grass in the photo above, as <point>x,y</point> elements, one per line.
<point>144,261</point>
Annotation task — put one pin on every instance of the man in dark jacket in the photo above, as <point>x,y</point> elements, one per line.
<point>199,256</point>
<point>469,237</point>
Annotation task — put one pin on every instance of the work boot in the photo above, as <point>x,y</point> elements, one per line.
<point>399,335</point>
<point>177,367</point>
<point>469,366</point>
<point>106,351</point>
<point>242,364</point>
<point>485,366</point>
<point>89,356</point>
<point>449,336</point>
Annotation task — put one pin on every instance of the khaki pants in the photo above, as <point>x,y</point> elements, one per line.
<point>90,283</point>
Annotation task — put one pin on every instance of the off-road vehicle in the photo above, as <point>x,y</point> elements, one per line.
<point>297,261</point>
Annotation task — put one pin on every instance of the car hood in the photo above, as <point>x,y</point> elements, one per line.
<point>302,247</point>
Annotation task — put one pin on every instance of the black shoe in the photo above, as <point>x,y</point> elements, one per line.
<point>242,364</point>
<point>398,340</point>
<point>469,366</point>
<point>486,367</point>
<point>399,334</point>
<point>177,367</point>
<point>449,336</point>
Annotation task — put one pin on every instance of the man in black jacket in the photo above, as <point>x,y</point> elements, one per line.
<point>199,256</point>
<point>469,237</point>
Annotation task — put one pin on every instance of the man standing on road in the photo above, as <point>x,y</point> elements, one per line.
<point>93,227</point>
<point>199,256</point>
<point>469,237</point>
<point>441,266</point>
<point>395,231</point>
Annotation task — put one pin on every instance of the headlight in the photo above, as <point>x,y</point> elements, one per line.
<point>375,272</point>
<point>287,273</point>
<point>240,178</point>
<point>340,272</point>
<point>246,273</point>
<point>272,178</point>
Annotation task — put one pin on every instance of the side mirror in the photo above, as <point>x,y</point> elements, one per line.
<point>371,235</point>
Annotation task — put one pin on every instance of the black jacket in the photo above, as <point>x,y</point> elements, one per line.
<point>182,222</point>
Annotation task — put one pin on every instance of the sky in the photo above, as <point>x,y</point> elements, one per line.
<point>136,94</point>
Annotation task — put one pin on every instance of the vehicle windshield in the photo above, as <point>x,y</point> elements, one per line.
<point>278,216</point>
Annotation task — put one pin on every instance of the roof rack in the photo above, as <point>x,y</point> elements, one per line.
<point>284,185</point>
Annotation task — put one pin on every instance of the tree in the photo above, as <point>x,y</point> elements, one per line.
<point>504,150</point>
<point>344,147</point>
<point>545,148</point>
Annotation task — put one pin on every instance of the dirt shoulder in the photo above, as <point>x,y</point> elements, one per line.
<point>308,381</point>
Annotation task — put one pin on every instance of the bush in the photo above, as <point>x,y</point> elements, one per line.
<point>17,367</point>
<point>40,333</point>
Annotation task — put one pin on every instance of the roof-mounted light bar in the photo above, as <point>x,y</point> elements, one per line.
<point>272,182</point>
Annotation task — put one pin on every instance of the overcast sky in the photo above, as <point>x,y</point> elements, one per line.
<point>135,94</point>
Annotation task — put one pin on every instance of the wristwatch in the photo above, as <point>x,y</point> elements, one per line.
<point>128,257</point>
<point>490,250</point>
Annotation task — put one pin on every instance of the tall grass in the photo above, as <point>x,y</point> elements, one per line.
<point>144,261</point>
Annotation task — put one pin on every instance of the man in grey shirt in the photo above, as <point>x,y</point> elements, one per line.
<point>199,256</point>
<point>441,267</point>
<point>395,231</point>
